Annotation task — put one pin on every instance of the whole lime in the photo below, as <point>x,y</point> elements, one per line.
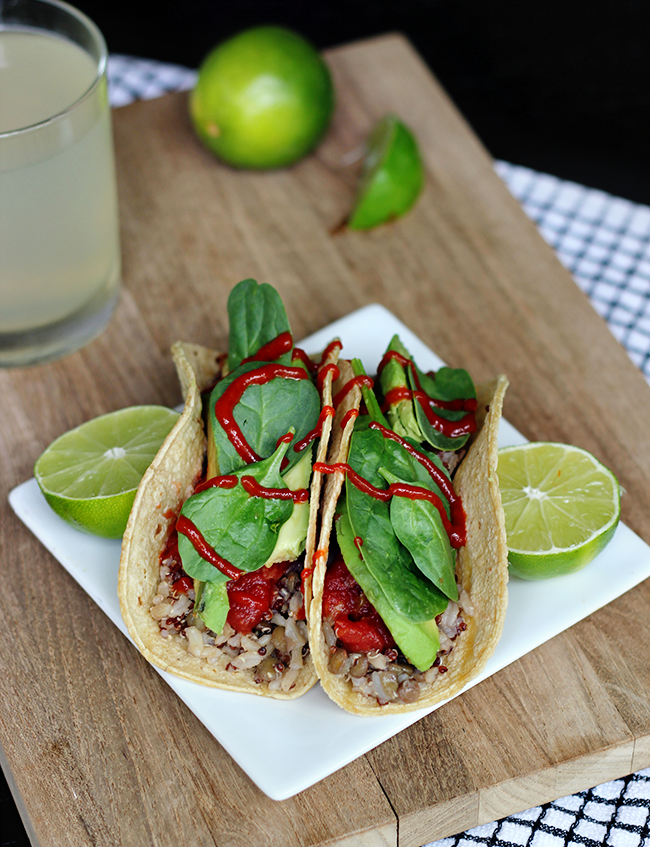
<point>264,98</point>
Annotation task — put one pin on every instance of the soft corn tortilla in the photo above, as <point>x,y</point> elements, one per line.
<point>317,477</point>
<point>481,565</point>
<point>168,482</point>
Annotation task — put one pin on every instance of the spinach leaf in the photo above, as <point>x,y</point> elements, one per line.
<point>418,525</point>
<point>367,451</point>
<point>389,454</point>
<point>401,414</point>
<point>409,469</point>
<point>256,315</point>
<point>242,529</point>
<point>264,414</point>
<point>448,384</point>
<point>390,563</point>
<point>419,642</point>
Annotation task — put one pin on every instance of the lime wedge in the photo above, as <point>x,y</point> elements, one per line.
<point>89,475</point>
<point>561,505</point>
<point>392,176</point>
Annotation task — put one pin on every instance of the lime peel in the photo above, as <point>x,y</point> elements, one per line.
<point>264,98</point>
<point>89,475</point>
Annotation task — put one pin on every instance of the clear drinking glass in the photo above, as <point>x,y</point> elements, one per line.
<point>59,235</point>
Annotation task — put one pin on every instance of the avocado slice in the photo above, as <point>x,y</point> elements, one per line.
<point>211,604</point>
<point>401,415</point>
<point>419,642</point>
<point>293,533</point>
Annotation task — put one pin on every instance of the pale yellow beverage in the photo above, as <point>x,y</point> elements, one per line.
<point>59,241</point>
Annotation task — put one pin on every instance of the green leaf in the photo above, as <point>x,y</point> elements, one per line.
<point>401,415</point>
<point>390,563</point>
<point>264,414</point>
<point>418,525</point>
<point>256,315</point>
<point>419,642</point>
<point>374,452</point>
<point>367,453</point>
<point>242,529</point>
<point>449,384</point>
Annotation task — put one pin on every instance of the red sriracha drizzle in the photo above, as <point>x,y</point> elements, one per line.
<point>356,622</point>
<point>322,374</point>
<point>224,408</point>
<point>185,527</point>
<point>317,431</point>
<point>275,348</point>
<point>331,347</point>
<point>349,385</point>
<point>297,353</point>
<point>452,429</point>
<point>216,482</point>
<point>252,487</point>
<point>351,414</point>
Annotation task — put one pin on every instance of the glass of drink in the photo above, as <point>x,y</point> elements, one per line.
<point>59,236</point>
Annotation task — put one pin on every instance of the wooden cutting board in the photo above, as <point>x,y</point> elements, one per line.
<point>97,748</point>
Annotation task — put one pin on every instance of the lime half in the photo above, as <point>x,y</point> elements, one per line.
<point>392,176</point>
<point>89,475</point>
<point>562,507</point>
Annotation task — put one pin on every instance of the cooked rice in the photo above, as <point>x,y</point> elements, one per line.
<point>388,676</point>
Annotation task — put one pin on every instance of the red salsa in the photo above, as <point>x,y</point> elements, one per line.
<point>250,597</point>
<point>356,623</point>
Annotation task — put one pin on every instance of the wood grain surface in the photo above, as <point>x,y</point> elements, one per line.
<point>97,748</point>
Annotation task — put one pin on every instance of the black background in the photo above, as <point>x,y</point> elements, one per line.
<point>559,86</point>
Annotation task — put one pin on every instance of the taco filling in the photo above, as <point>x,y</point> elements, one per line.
<point>213,592</point>
<point>410,595</point>
<point>363,650</point>
<point>264,631</point>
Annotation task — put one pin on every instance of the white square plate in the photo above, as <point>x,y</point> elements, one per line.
<point>324,738</point>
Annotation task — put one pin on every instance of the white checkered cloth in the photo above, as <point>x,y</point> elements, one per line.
<point>605,242</point>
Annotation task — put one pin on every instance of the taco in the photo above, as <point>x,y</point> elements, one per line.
<point>410,573</point>
<point>210,573</point>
